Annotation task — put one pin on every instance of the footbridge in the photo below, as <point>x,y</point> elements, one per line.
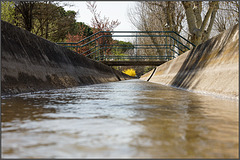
<point>143,48</point>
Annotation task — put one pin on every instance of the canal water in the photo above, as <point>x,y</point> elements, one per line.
<point>126,119</point>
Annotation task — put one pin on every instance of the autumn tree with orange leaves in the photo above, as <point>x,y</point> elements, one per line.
<point>78,37</point>
<point>98,23</point>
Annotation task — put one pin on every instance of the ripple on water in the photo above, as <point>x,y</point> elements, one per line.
<point>126,119</point>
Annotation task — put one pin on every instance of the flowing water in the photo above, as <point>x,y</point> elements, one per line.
<point>127,119</point>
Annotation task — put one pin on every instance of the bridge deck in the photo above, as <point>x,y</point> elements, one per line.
<point>134,63</point>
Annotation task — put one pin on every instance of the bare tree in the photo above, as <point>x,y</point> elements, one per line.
<point>102,24</point>
<point>227,15</point>
<point>196,18</point>
<point>197,21</point>
<point>200,28</point>
<point>157,16</point>
<point>99,23</point>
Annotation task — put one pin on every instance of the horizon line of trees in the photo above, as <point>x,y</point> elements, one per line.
<point>51,21</point>
<point>46,19</point>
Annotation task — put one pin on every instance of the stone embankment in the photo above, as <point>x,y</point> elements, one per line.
<point>31,63</point>
<point>212,67</point>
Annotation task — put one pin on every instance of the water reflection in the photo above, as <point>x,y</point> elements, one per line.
<point>127,119</point>
<point>194,127</point>
<point>18,108</point>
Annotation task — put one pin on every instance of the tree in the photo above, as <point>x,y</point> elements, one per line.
<point>200,28</point>
<point>99,23</point>
<point>52,21</point>
<point>79,27</point>
<point>46,19</point>
<point>102,24</point>
<point>156,16</point>
<point>195,20</point>
<point>227,15</point>
<point>8,11</point>
<point>82,32</point>
<point>121,47</point>
<point>26,10</point>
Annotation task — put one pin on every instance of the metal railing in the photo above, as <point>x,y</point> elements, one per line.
<point>136,58</point>
<point>100,46</point>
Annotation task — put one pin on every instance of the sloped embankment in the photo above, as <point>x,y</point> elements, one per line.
<point>212,67</point>
<point>31,63</point>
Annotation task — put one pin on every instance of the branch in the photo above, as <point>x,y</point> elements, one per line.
<point>191,19</point>
<point>155,3</point>
<point>211,21</point>
<point>197,12</point>
<point>212,6</point>
<point>46,19</point>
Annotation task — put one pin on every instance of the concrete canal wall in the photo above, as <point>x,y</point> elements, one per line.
<point>30,63</point>
<point>212,67</point>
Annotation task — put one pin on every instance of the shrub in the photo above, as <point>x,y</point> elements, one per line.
<point>130,72</point>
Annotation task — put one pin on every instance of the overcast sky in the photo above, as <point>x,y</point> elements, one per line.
<point>115,10</point>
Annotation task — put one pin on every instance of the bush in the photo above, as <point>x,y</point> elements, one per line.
<point>130,72</point>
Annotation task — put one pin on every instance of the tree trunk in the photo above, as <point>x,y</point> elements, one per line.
<point>26,8</point>
<point>47,23</point>
<point>195,24</point>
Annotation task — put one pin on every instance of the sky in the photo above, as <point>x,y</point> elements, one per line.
<point>115,10</point>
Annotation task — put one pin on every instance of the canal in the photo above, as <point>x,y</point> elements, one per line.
<point>126,119</point>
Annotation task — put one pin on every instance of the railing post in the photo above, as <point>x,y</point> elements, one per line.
<point>101,47</point>
<point>95,48</point>
<point>136,45</point>
<point>166,43</point>
<point>172,46</point>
